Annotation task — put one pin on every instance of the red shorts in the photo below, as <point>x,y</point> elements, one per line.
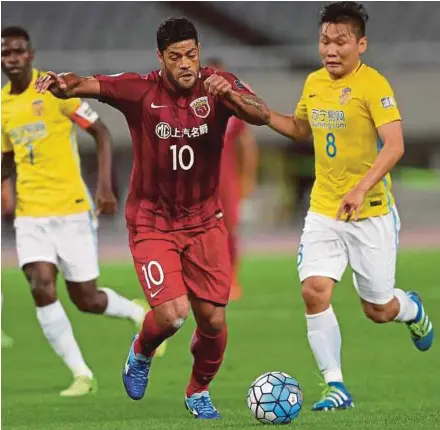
<point>193,262</point>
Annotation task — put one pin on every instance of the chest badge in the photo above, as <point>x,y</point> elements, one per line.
<point>201,107</point>
<point>345,96</point>
<point>38,107</point>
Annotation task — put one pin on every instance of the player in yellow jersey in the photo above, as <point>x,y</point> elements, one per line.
<point>55,224</point>
<point>350,110</point>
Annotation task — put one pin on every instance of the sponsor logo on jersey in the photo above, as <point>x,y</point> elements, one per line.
<point>388,102</point>
<point>345,96</point>
<point>28,133</point>
<point>165,131</point>
<point>201,107</point>
<point>38,107</point>
<point>328,118</point>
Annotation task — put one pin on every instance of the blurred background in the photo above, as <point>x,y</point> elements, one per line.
<point>112,37</point>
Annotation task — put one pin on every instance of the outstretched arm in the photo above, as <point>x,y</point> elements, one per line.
<point>244,104</point>
<point>68,85</point>
<point>290,126</point>
<point>249,108</point>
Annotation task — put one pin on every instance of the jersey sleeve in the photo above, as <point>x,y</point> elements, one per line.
<point>121,90</point>
<point>237,86</point>
<point>6,143</point>
<point>381,102</point>
<point>301,107</point>
<point>83,115</point>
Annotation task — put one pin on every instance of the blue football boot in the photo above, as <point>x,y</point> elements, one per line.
<point>201,407</point>
<point>422,332</point>
<point>334,396</point>
<point>135,374</point>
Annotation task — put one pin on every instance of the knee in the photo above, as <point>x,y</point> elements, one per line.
<point>171,315</point>
<point>211,320</point>
<point>42,286</point>
<point>378,313</point>
<point>214,323</point>
<point>316,293</point>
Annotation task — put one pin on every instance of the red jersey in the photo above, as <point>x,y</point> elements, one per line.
<point>177,143</point>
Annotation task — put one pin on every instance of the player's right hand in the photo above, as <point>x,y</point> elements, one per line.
<point>51,82</point>
<point>217,86</point>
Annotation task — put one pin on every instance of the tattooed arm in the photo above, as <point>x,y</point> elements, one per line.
<point>243,102</point>
<point>249,108</point>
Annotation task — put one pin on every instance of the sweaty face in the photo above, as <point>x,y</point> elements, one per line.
<point>16,57</point>
<point>181,63</point>
<point>340,49</point>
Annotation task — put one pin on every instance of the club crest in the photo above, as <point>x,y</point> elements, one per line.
<point>38,107</point>
<point>201,107</point>
<point>345,96</point>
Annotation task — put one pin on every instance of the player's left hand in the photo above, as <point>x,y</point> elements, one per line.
<point>351,204</point>
<point>106,202</point>
<point>217,86</point>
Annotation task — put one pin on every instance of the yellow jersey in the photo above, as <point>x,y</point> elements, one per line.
<point>344,116</point>
<point>39,129</point>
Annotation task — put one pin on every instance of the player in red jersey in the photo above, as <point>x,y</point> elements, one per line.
<point>238,173</point>
<point>177,119</point>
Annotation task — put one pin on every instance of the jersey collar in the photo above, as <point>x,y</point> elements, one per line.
<point>352,73</point>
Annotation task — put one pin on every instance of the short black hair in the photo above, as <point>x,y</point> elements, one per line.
<point>15,31</point>
<point>175,30</point>
<point>345,12</point>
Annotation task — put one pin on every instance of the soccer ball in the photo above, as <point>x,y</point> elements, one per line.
<point>275,398</point>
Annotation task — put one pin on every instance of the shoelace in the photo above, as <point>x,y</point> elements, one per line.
<point>140,369</point>
<point>204,405</point>
<point>420,329</point>
<point>326,390</point>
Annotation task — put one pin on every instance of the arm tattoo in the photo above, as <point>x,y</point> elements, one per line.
<point>252,100</point>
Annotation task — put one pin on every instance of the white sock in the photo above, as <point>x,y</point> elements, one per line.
<point>121,307</point>
<point>325,341</point>
<point>408,309</point>
<point>58,331</point>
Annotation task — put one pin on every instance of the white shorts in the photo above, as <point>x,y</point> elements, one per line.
<point>369,246</point>
<point>70,242</point>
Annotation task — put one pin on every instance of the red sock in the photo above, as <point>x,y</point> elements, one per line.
<point>208,356</point>
<point>151,336</point>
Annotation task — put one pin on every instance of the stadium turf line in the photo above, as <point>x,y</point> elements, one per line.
<point>394,386</point>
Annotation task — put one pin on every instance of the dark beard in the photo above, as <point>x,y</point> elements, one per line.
<point>176,84</point>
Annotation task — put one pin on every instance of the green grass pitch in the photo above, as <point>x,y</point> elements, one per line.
<point>394,386</point>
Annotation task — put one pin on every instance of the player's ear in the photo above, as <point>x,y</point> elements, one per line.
<point>160,57</point>
<point>363,45</point>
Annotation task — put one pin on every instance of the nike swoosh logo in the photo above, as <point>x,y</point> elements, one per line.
<point>157,106</point>
<point>153,295</point>
<point>193,411</point>
<point>312,95</point>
